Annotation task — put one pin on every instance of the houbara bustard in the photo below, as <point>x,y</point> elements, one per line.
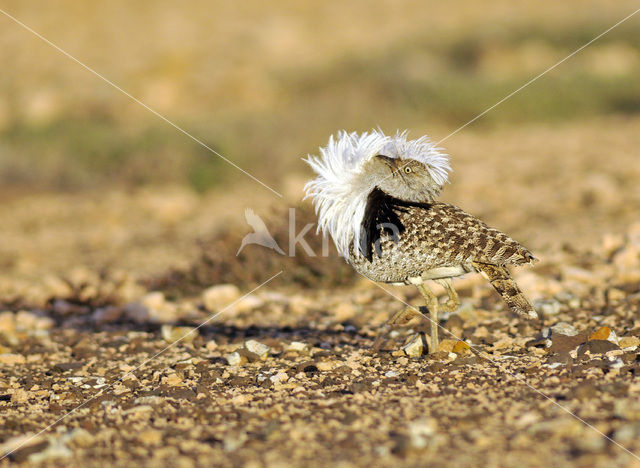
<point>376,196</point>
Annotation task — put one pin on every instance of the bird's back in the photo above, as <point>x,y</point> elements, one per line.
<point>432,237</point>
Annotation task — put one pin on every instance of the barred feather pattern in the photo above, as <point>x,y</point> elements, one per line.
<point>437,236</point>
<point>501,280</point>
<point>340,190</point>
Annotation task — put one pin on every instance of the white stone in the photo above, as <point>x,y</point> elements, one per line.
<point>234,359</point>
<point>256,347</point>
<point>415,347</point>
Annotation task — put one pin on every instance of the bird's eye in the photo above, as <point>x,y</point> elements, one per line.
<point>407,169</point>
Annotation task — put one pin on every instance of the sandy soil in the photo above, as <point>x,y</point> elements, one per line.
<point>96,287</point>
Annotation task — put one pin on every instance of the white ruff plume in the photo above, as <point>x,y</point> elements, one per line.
<point>341,189</point>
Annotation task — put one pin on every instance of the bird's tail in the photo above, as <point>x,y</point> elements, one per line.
<point>501,280</point>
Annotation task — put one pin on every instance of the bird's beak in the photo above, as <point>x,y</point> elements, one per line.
<point>391,162</point>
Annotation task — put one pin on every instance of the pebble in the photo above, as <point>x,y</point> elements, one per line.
<point>628,433</point>
<point>217,297</point>
<point>547,307</point>
<point>560,328</point>
<point>421,432</point>
<point>172,334</point>
<point>107,314</point>
<point>150,437</point>
<point>234,359</point>
<point>601,333</point>
<point>629,342</point>
<point>564,343</point>
<point>255,347</point>
<point>211,345</point>
<point>12,359</point>
<point>447,345</point>
<point>597,347</point>
<point>297,346</point>
<point>415,347</point>
<point>461,348</point>
<point>344,311</point>
<point>280,377</point>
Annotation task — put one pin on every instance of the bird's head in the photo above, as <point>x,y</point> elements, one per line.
<point>353,165</point>
<point>404,178</point>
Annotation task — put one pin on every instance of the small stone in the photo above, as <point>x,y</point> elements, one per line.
<point>584,391</point>
<point>260,349</point>
<point>211,345</point>
<point>447,345</point>
<point>611,243</point>
<point>461,348</point>
<point>216,298</point>
<point>560,328</point>
<point>415,347</point>
<point>153,300</point>
<point>564,343</point>
<point>12,359</point>
<point>628,433</point>
<point>601,333</point>
<point>421,432</point>
<point>248,303</point>
<point>56,449</point>
<point>81,438</point>
<point>597,347</point>
<point>173,380</point>
<point>280,377</point>
<point>547,307</point>
<point>234,359</point>
<point>150,437</point>
<point>248,355</point>
<point>297,346</point>
<point>629,342</point>
<point>108,314</point>
<point>344,311</point>
<point>172,334</point>
<point>67,366</point>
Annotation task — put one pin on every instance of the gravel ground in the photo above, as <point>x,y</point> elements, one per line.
<point>289,377</point>
<point>94,288</point>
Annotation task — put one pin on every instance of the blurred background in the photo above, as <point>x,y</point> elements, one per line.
<point>91,179</point>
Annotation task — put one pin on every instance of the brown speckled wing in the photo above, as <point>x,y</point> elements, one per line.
<point>434,236</point>
<point>457,235</point>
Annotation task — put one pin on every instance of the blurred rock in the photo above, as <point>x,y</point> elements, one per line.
<point>172,334</point>
<point>447,345</point>
<point>12,359</point>
<point>462,348</point>
<point>216,298</point>
<point>629,342</point>
<point>561,328</point>
<point>108,314</point>
<point>297,346</point>
<point>597,347</point>
<point>421,432</point>
<point>601,333</point>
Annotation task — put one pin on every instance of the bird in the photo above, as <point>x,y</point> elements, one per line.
<point>377,197</point>
<point>260,234</point>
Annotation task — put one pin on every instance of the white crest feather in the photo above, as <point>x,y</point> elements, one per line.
<point>340,190</point>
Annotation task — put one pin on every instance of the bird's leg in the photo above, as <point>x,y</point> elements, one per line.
<point>453,302</point>
<point>401,317</point>
<point>432,304</point>
<point>398,319</point>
